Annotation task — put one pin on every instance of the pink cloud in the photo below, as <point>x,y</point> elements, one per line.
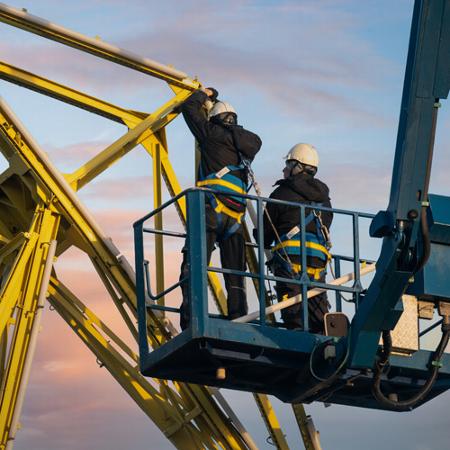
<point>75,154</point>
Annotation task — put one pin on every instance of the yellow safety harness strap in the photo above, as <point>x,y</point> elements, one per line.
<point>315,272</point>
<point>226,184</point>
<point>295,243</point>
<point>222,209</point>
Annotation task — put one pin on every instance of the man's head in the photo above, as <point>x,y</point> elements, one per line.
<point>301,158</point>
<point>223,113</point>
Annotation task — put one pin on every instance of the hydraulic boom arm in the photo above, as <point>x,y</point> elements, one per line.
<point>403,225</point>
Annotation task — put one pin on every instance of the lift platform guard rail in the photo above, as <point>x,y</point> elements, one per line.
<point>261,356</point>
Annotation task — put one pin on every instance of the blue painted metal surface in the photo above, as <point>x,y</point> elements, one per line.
<point>433,280</point>
<point>196,253</point>
<point>258,357</point>
<point>426,80</point>
<point>439,218</point>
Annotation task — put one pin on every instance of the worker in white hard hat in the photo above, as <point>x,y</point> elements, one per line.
<point>223,147</point>
<point>282,234</point>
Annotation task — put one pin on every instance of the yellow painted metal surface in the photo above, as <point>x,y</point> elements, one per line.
<point>157,202</point>
<point>176,415</point>
<point>212,420</point>
<point>21,19</point>
<point>188,415</point>
<point>18,307</point>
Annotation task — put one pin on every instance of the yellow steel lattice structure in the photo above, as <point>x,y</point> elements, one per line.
<point>41,217</point>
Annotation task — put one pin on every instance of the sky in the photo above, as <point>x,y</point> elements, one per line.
<point>326,72</point>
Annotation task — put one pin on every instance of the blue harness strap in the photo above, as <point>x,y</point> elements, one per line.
<point>315,244</point>
<point>226,183</point>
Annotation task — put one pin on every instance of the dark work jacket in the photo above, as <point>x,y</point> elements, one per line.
<point>220,145</point>
<point>300,188</point>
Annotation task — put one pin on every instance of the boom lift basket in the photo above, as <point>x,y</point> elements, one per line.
<point>261,356</point>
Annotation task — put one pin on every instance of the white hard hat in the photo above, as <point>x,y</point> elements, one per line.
<point>221,107</point>
<point>305,154</point>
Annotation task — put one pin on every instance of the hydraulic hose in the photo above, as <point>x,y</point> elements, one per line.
<point>409,403</point>
<point>423,214</point>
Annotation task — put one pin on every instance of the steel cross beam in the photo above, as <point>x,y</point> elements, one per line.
<point>39,84</point>
<point>33,24</point>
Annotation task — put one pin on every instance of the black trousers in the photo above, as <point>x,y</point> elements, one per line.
<point>318,305</point>
<point>232,256</point>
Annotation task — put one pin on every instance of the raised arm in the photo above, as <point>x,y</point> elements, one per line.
<point>195,114</point>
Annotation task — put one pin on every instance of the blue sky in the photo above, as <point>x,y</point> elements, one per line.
<point>328,72</point>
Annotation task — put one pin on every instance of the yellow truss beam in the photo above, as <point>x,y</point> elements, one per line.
<point>21,305</point>
<point>137,134</point>
<point>186,425</point>
<point>34,82</point>
<point>131,119</point>
<point>21,19</point>
<point>17,141</point>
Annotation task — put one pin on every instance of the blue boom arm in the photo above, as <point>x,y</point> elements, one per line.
<point>403,225</point>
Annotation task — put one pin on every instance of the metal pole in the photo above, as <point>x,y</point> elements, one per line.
<point>32,345</point>
<point>22,19</point>
<point>304,270</point>
<point>261,267</point>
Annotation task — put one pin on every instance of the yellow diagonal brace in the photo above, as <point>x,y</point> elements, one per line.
<point>68,95</point>
<point>13,245</point>
<point>126,143</point>
<point>129,322</point>
<point>310,436</point>
<point>272,424</point>
<point>175,423</point>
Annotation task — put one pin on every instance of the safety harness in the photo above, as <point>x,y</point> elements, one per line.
<point>227,183</point>
<point>316,245</point>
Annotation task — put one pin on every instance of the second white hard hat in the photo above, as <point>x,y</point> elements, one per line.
<point>221,107</point>
<point>305,154</point>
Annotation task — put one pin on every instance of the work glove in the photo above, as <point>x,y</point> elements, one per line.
<point>215,94</point>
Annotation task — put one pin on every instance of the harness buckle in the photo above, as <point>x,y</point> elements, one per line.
<point>222,172</point>
<point>293,232</point>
